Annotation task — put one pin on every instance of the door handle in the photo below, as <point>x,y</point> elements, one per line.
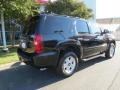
<point>58,31</point>
<point>86,39</point>
<point>80,38</point>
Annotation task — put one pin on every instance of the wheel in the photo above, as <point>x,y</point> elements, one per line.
<point>67,64</point>
<point>111,51</point>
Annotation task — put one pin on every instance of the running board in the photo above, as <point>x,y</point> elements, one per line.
<point>93,57</point>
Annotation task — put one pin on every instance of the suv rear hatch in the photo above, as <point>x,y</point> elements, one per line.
<point>31,41</point>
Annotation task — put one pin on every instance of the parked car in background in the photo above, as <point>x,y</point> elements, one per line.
<point>62,42</point>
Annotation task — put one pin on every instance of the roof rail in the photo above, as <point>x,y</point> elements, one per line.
<point>54,14</point>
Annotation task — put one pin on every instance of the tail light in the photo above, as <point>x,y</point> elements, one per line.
<point>38,43</point>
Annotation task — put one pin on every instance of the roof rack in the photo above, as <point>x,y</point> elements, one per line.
<point>54,14</point>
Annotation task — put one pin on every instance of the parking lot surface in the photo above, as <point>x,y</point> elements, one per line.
<point>96,74</point>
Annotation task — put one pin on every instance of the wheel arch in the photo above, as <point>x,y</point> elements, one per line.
<point>113,41</point>
<point>73,48</point>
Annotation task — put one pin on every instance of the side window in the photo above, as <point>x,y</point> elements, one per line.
<point>94,29</point>
<point>51,24</point>
<point>82,27</point>
<point>56,24</point>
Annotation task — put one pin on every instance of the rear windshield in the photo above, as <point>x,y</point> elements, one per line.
<point>30,27</point>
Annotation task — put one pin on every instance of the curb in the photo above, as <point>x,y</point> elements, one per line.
<point>9,66</point>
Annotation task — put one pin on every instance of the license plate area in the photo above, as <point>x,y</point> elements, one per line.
<point>23,45</point>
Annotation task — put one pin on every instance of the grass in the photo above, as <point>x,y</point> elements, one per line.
<point>8,57</point>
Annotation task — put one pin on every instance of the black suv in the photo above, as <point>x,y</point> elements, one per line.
<point>62,42</point>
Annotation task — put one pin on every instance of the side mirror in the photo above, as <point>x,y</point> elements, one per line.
<point>105,31</point>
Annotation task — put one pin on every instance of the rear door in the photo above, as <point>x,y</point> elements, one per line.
<point>27,37</point>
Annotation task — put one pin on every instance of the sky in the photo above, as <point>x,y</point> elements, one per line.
<point>107,8</point>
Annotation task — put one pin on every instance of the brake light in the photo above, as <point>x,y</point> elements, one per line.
<point>38,43</point>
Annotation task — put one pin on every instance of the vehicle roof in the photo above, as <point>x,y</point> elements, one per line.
<point>64,16</point>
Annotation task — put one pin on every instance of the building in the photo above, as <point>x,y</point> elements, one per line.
<point>109,20</point>
<point>117,33</point>
<point>113,24</point>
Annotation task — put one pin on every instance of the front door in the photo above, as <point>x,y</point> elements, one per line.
<point>91,39</point>
<point>95,40</point>
<point>93,44</point>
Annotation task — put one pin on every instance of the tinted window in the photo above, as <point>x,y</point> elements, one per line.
<point>82,27</point>
<point>53,23</point>
<point>94,29</point>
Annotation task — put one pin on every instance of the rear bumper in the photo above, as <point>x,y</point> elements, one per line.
<point>41,60</point>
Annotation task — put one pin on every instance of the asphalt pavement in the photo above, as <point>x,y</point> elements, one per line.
<point>96,74</point>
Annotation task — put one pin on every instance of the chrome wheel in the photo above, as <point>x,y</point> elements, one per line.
<point>112,50</point>
<point>69,65</point>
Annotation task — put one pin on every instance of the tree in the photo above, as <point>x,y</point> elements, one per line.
<point>69,7</point>
<point>17,10</point>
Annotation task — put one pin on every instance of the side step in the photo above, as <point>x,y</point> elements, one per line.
<point>93,57</point>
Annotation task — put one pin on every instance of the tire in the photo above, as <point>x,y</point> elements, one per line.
<point>111,51</point>
<point>68,64</point>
